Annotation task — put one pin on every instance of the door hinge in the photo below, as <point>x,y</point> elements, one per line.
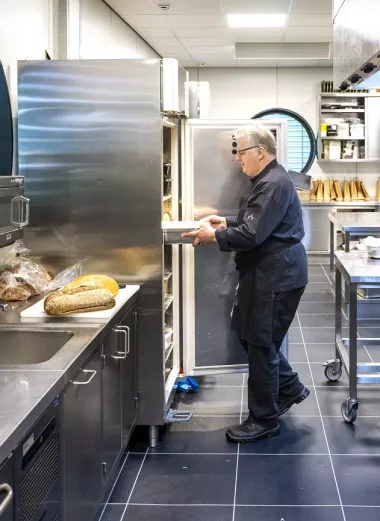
<point>135,317</point>
<point>103,360</point>
<point>104,465</point>
<point>136,401</point>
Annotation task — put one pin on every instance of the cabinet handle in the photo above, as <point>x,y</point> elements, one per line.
<point>93,373</point>
<point>8,498</point>
<point>125,331</point>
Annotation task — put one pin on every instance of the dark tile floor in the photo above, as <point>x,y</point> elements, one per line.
<point>318,469</point>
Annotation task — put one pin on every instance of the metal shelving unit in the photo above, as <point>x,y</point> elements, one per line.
<point>366,108</point>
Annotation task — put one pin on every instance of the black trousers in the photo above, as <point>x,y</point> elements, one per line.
<point>270,374</point>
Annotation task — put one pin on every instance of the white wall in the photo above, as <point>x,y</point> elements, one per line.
<point>242,92</point>
<point>103,34</point>
<point>25,33</point>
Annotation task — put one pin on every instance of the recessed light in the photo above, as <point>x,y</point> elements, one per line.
<point>256,20</point>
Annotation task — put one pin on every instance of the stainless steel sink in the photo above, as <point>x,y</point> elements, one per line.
<point>30,347</point>
<point>45,346</point>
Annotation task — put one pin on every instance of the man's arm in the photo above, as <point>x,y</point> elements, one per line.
<point>231,221</point>
<point>261,218</point>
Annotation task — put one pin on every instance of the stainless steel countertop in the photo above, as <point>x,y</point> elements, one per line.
<point>360,222</point>
<point>26,391</point>
<point>358,268</point>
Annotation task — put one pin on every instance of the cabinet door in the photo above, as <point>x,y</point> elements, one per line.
<point>82,443</point>
<point>129,377</point>
<point>114,354</point>
<point>6,491</point>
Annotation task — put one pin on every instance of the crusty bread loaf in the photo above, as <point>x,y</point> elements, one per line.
<point>95,280</point>
<point>78,300</point>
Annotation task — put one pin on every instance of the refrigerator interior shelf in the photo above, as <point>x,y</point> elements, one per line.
<point>168,302</point>
<point>168,337</point>
<point>167,197</point>
<point>167,276</point>
<point>168,351</point>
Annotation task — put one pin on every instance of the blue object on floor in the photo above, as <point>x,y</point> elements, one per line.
<point>188,385</point>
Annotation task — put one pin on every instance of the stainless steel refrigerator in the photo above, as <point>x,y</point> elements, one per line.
<point>98,146</point>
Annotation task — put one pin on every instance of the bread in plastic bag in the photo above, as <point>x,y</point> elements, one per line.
<point>21,278</point>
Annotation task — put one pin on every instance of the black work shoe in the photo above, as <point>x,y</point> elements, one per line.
<point>249,431</point>
<point>285,403</point>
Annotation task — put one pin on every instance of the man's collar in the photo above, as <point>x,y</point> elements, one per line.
<point>269,166</point>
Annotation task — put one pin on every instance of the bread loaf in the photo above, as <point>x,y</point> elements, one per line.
<point>83,299</point>
<point>95,280</point>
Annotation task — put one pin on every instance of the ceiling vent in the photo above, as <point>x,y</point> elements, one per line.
<point>282,51</point>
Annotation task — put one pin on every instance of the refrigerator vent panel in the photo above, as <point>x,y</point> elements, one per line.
<point>39,480</point>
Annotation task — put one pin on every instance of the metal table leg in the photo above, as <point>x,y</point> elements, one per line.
<point>332,244</point>
<point>350,406</point>
<point>333,368</point>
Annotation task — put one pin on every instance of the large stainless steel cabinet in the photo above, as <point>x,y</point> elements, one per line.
<point>213,184</point>
<point>6,491</point>
<point>91,147</point>
<point>82,443</point>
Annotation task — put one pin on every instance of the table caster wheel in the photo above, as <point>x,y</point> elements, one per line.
<point>349,411</point>
<point>333,372</point>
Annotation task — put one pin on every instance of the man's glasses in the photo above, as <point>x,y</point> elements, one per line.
<point>240,153</point>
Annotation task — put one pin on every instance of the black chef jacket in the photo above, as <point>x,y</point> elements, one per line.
<point>266,236</point>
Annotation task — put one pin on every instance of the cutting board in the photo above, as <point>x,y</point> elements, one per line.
<point>37,310</point>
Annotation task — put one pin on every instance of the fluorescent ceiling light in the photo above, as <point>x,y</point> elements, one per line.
<point>256,20</point>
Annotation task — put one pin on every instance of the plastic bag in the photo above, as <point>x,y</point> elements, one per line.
<point>66,276</point>
<point>21,278</point>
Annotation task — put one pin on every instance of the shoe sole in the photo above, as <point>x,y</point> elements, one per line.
<point>296,401</point>
<point>268,434</point>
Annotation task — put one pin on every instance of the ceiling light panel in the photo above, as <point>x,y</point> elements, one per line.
<point>256,20</point>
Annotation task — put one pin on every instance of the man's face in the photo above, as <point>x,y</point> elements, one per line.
<point>250,159</point>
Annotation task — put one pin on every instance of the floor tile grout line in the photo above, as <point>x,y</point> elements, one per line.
<point>114,485</point>
<point>228,505</point>
<point>238,449</point>
<point>324,429</point>
<point>134,485</point>
<point>256,454</point>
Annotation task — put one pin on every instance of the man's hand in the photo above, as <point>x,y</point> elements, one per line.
<point>217,223</point>
<point>205,235</point>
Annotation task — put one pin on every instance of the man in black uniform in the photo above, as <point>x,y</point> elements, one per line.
<point>266,236</point>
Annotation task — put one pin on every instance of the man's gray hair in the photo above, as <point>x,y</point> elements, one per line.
<point>258,135</point>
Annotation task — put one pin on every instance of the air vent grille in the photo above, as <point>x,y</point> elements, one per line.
<point>282,51</point>
<point>39,480</point>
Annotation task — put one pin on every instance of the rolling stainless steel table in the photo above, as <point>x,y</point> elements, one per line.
<point>357,270</point>
<point>352,224</point>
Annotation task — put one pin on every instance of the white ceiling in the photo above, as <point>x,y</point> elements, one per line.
<point>196,31</point>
